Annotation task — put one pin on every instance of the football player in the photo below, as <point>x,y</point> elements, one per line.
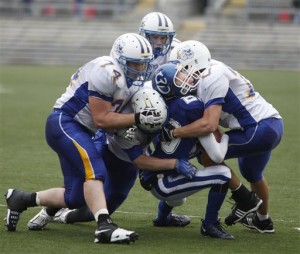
<point>255,126</point>
<point>158,29</point>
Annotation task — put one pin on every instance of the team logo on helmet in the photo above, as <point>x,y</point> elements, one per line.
<point>161,84</point>
<point>119,46</point>
<point>185,53</point>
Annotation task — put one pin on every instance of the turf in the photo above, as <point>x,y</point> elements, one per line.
<point>27,94</point>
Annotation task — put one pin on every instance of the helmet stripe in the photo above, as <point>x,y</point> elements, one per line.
<point>143,44</point>
<point>160,17</point>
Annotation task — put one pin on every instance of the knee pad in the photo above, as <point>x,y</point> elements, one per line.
<point>176,202</point>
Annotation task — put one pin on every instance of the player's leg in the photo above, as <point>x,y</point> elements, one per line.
<point>211,225</point>
<point>18,201</point>
<point>252,169</point>
<point>259,139</point>
<point>246,201</point>
<point>90,168</point>
<point>176,187</point>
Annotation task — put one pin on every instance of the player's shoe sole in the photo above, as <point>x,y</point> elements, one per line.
<point>15,200</point>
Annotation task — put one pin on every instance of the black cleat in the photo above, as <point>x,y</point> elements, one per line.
<point>262,226</point>
<point>11,220</point>
<point>215,231</point>
<point>177,220</point>
<point>111,233</point>
<point>16,204</point>
<point>242,209</point>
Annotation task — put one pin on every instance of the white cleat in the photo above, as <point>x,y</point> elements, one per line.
<point>39,221</point>
<point>61,215</point>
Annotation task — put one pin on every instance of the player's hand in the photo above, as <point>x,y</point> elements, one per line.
<point>130,133</point>
<point>186,168</point>
<point>148,116</point>
<point>167,132</point>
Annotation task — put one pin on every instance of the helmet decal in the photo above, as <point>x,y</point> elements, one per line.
<point>185,53</point>
<point>118,47</point>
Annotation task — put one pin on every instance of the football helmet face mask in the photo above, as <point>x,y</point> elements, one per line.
<point>149,100</point>
<point>158,29</point>
<point>173,81</point>
<point>191,54</point>
<point>134,54</point>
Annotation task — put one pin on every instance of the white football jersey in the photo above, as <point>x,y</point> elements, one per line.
<point>117,141</point>
<point>241,105</point>
<point>102,78</point>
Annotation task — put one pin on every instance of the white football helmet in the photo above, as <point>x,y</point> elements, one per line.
<point>150,101</point>
<point>157,24</point>
<point>135,48</point>
<point>191,55</point>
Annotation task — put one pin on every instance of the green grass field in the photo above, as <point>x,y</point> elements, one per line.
<point>27,94</point>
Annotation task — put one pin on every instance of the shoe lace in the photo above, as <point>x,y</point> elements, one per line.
<point>221,226</point>
<point>232,202</point>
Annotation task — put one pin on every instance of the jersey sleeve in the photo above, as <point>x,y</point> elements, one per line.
<point>213,88</point>
<point>101,81</point>
<point>216,151</point>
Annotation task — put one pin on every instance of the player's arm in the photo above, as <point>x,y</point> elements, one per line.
<point>215,149</point>
<point>104,118</point>
<point>203,126</point>
<point>151,163</point>
<point>154,163</point>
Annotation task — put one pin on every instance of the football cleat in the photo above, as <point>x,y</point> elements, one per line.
<point>39,221</point>
<point>176,220</point>
<point>111,233</point>
<point>61,215</point>
<point>11,220</point>
<point>262,226</point>
<point>242,209</point>
<point>15,200</point>
<point>215,231</point>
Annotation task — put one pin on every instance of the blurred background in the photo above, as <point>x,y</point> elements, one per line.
<point>246,34</point>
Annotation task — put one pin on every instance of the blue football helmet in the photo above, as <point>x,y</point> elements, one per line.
<point>173,81</point>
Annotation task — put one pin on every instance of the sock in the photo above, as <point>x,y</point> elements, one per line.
<point>34,200</point>
<point>101,215</point>
<point>82,214</point>
<point>262,216</point>
<point>164,211</point>
<point>51,211</point>
<point>241,194</point>
<point>215,201</point>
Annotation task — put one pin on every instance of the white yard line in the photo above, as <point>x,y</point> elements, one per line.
<point>4,90</point>
<point>153,214</point>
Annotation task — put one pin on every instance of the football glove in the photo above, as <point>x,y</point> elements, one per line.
<point>185,168</point>
<point>148,116</point>
<point>167,132</point>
